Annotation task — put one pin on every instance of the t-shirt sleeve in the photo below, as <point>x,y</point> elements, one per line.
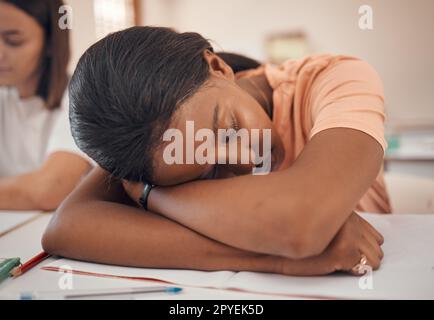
<point>349,94</point>
<point>61,138</point>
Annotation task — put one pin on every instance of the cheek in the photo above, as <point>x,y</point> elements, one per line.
<point>25,59</point>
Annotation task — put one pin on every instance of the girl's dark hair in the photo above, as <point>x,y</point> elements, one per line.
<point>54,63</point>
<point>125,90</point>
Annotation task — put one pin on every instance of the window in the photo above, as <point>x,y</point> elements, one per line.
<point>114,15</point>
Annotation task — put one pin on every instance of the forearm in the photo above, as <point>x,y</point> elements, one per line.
<point>99,223</point>
<point>44,188</point>
<point>37,190</point>
<point>16,193</point>
<point>234,211</point>
<point>114,233</point>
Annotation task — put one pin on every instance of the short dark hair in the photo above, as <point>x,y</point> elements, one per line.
<point>125,90</point>
<point>54,63</point>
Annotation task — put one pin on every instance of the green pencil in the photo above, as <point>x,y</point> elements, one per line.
<point>6,266</point>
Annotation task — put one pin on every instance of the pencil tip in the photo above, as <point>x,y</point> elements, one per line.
<point>15,272</point>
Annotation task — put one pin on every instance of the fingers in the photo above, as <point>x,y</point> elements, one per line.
<point>371,254</point>
<point>376,247</point>
<point>348,260</point>
<point>363,240</point>
<point>377,235</point>
<point>353,268</point>
<point>360,269</point>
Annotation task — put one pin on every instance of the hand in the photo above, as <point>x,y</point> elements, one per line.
<point>356,237</point>
<point>134,190</point>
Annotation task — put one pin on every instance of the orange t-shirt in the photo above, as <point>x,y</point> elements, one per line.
<point>321,92</point>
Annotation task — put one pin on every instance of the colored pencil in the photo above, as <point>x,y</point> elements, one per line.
<point>29,264</point>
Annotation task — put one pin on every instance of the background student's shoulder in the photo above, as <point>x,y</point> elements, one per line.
<point>24,129</point>
<point>30,133</point>
<point>5,95</point>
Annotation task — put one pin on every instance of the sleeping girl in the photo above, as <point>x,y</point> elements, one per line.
<point>159,199</point>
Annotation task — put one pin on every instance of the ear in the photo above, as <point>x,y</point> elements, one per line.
<point>217,66</point>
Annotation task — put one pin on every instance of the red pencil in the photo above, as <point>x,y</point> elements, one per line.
<point>29,264</point>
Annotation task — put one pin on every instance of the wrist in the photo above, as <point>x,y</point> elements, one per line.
<point>152,203</point>
<point>248,262</point>
<point>263,263</point>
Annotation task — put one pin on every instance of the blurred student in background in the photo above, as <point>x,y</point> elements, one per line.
<point>39,162</point>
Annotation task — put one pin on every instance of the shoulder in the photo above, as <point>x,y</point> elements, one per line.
<point>347,77</point>
<point>308,69</point>
<point>350,72</point>
<point>349,93</point>
<point>353,69</point>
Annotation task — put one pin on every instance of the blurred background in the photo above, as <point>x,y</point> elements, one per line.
<point>400,46</point>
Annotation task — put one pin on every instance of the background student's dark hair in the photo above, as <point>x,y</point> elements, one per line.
<point>238,62</point>
<point>54,62</point>
<point>126,88</point>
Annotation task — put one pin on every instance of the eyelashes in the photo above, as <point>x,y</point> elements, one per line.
<point>14,42</point>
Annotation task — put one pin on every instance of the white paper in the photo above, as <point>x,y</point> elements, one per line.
<point>407,270</point>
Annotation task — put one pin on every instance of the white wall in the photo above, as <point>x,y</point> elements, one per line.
<point>83,28</point>
<point>401,46</point>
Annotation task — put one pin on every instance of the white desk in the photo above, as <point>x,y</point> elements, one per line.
<point>24,242</point>
<point>407,270</point>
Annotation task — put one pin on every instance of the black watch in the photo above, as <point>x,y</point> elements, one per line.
<point>145,194</point>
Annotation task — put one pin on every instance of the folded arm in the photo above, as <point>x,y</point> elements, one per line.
<point>99,223</point>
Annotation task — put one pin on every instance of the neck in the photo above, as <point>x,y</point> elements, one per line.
<point>29,87</point>
<point>259,88</point>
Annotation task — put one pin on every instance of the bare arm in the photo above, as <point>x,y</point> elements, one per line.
<point>46,187</point>
<point>99,223</point>
<point>295,213</point>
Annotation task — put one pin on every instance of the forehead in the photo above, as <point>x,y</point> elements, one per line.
<point>15,21</point>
